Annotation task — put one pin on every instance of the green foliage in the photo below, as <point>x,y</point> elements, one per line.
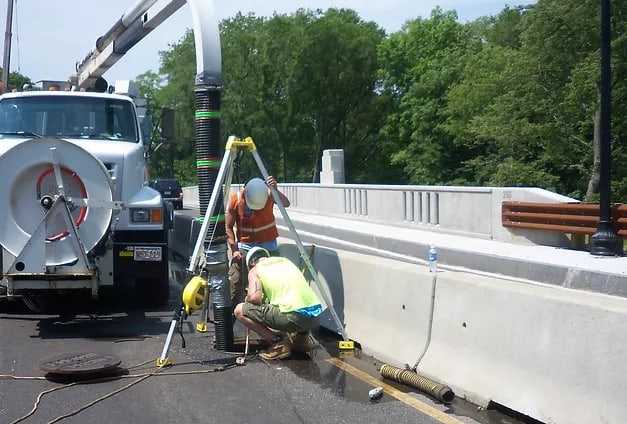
<point>303,83</point>
<point>419,66</point>
<point>176,75</point>
<point>16,81</point>
<point>256,90</point>
<point>504,100</point>
<point>513,173</point>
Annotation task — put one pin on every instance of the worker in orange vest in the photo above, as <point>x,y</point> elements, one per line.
<point>250,223</point>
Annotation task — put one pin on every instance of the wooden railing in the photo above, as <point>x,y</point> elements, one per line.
<point>568,218</point>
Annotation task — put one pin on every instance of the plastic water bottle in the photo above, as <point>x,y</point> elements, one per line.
<point>433,260</point>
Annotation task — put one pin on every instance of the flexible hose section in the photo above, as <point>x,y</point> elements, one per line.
<point>222,312</point>
<point>208,162</point>
<point>209,156</point>
<point>439,391</point>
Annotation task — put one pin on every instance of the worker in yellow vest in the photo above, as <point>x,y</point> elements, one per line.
<point>278,298</point>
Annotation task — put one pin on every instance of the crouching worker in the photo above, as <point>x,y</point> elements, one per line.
<point>278,298</point>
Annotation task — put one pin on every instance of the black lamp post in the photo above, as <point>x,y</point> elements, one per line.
<point>604,242</point>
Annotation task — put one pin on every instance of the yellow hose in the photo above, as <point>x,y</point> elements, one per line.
<point>439,391</point>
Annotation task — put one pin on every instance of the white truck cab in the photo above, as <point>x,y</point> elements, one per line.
<point>77,214</point>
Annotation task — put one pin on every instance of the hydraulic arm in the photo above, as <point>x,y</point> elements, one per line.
<point>138,21</point>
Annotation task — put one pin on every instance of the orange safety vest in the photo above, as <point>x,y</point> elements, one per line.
<point>258,226</point>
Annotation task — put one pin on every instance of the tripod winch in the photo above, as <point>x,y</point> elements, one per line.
<point>197,261</point>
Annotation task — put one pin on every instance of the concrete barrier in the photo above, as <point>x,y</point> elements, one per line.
<point>183,239</point>
<point>465,211</point>
<point>554,354</point>
<point>373,296</point>
<point>190,196</point>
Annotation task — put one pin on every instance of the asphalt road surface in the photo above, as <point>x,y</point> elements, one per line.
<point>203,384</point>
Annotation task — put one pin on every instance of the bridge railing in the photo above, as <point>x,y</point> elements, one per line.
<point>576,219</point>
<point>457,210</point>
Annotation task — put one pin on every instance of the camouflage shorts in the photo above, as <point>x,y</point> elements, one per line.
<point>271,317</point>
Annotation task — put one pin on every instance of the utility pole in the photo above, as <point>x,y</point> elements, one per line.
<point>7,46</point>
<point>604,242</point>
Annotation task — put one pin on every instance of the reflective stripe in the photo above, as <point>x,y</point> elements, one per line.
<point>254,226</point>
<point>257,229</point>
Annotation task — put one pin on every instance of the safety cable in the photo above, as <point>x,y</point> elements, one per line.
<point>434,280</point>
<point>17,38</point>
<point>141,377</point>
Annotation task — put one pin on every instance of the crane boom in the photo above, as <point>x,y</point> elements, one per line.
<point>132,27</point>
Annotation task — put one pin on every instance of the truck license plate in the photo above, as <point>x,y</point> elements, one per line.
<point>147,253</point>
<point>167,192</point>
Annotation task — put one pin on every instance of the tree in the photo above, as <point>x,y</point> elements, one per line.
<point>16,81</point>
<point>258,59</point>
<point>419,65</point>
<point>163,89</point>
<point>545,116</point>
<point>336,100</point>
<point>303,83</point>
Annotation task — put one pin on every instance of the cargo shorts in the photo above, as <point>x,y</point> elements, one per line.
<point>272,317</point>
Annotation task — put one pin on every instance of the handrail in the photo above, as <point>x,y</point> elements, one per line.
<point>571,218</point>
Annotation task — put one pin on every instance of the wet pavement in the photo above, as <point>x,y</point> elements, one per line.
<point>204,384</point>
<point>348,374</point>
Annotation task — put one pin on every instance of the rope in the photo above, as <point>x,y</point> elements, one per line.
<point>140,377</point>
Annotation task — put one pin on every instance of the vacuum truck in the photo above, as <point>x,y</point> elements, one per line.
<point>77,215</point>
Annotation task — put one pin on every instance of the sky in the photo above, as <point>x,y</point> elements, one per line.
<point>49,37</point>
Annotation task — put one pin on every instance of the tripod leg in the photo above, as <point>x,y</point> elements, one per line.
<point>346,343</point>
<point>163,360</point>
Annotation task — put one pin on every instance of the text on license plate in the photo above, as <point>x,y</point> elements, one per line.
<point>147,253</point>
<point>167,192</point>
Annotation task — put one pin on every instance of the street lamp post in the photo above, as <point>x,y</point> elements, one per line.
<point>604,242</point>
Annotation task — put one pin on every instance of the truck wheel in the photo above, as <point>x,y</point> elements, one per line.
<point>153,293</point>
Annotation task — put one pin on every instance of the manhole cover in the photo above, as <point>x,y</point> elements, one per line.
<point>80,363</point>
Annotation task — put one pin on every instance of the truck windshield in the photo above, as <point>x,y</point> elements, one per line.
<point>68,117</point>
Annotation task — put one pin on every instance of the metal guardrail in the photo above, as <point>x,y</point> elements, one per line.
<point>571,218</point>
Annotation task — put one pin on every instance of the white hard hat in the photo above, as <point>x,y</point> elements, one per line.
<point>256,193</point>
<point>255,254</point>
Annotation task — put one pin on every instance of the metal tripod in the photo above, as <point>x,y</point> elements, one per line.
<point>225,175</point>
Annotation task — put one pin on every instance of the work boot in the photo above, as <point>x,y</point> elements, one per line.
<point>302,342</point>
<point>280,350</point>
